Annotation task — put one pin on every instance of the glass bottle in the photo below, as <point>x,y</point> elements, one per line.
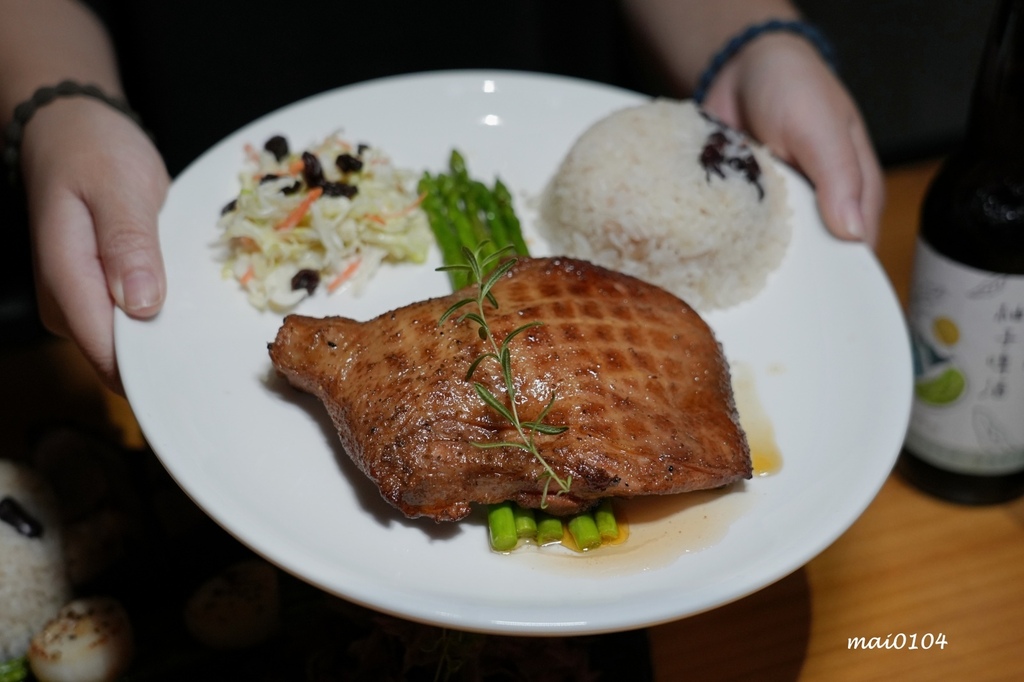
<point>966,311</point>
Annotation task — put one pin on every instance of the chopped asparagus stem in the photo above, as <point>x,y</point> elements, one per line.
<point>604,516</point>
<point>583,529</point>
<point>526,525</point>
<point>502,524</point>
<point>549,529</point>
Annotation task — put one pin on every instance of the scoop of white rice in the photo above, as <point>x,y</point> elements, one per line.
<point>662,192</point>
<point>33,583</point>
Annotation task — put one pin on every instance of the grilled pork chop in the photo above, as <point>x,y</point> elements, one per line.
<point>638,379</point>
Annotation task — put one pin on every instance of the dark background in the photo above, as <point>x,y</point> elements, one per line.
<point>197,71</point>
<point>910,64</point>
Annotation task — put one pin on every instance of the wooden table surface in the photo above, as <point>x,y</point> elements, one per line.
<point>912,568</point>
<point>911,565</point>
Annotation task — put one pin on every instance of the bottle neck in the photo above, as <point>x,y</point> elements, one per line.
<point>996,122</point>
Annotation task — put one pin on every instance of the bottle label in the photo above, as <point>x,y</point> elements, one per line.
<point>967,333</point>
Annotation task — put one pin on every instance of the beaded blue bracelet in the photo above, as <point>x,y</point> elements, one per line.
<point>740,40</point>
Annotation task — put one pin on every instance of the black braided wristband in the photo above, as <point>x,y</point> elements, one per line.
<point>40,98</point>
<point>740,40</point>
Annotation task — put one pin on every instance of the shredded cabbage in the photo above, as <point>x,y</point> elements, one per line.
<point>281,252</point>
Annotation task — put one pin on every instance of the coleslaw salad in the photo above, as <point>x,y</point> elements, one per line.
<point>318,220</point>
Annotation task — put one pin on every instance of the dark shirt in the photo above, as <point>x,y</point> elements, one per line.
<point>199,70</point>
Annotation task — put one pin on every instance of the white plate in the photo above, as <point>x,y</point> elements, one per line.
<point>824,343</point>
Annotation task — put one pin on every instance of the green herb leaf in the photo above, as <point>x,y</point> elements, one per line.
<point>454,309</point>
<point>506,373</point>
<point>476,318</point>
<point>476,363</point>
<point>502,444</point>
<point>547,408</point>
<point>493,401</point>
<point>498,273</point>
<point>496,256</point>
<point>519,330</point>
<point>546,429</point>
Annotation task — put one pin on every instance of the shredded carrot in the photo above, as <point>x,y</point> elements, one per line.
<point>247,244</point>
<point>297,213</point>
<point>412,207</point>
<point>344,275</point>
<point>247,277</point>
<point>296,166</point>
<point>375,218</point>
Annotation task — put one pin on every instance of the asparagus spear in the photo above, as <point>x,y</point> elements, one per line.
<point>462,189</point>
<point>457,166</point>
<point>508,214</point>
<point>502,525</point>
<point>463,228</point>
<point>604,517</point>
<point>526,525</point>
<point>444,231</point>
<point>476,221</point>
<point>484,198</point>
<point>549,529</point>
<point>584,531</point>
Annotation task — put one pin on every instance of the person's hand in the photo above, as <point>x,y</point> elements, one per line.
<point>780,90</point>
<point>95,184</point>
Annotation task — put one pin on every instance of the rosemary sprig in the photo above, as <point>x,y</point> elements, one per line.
<point>478,266</point>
